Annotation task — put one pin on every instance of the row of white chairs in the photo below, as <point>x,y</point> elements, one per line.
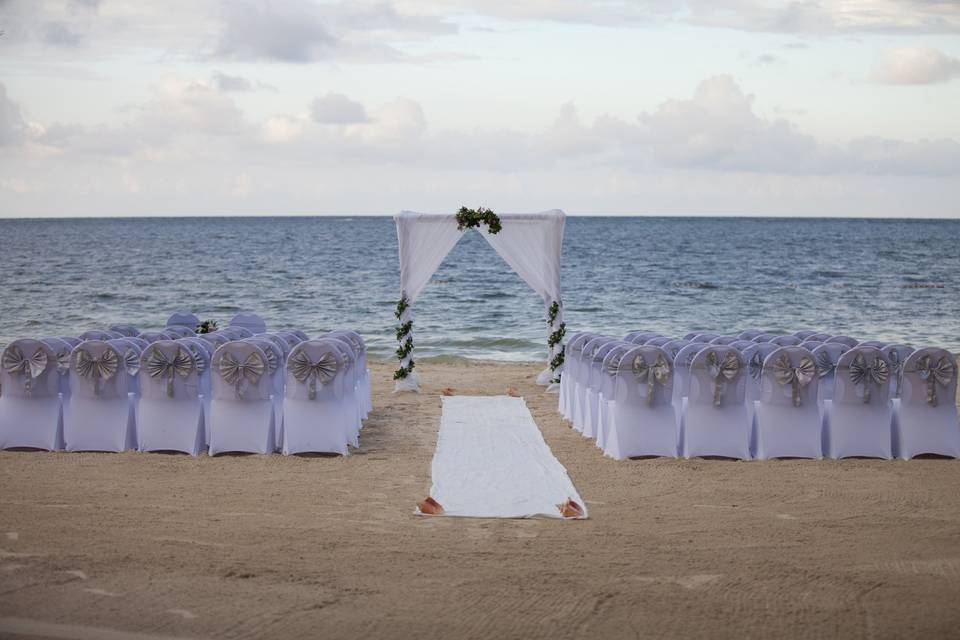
<point>173,390</point>
<point>758,395</point>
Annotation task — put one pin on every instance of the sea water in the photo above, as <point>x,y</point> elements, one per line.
<point>892,280</point>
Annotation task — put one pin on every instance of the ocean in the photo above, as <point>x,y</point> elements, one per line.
<point>892,280</point>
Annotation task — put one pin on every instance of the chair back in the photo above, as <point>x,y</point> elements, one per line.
<point>740,345</point>
<point>673,347</point>
<point>658,341</point>
<point>316,370</point>
<point>639,337</point>
<point>216,338</point>
<point>126,330</point>
<point>153,336</point>
<point>99,370</point>
<point>716,377</point>
<point>644,377</point>
<point>180,331</point>
<point>763,337</point>
<point>183,319</point>
<point>847,340</point>
<point>240,373</point>
<point>826,356</point>
<point>29,369</point>
<point>803,334</point>
<point>811,344</point>
<point>862,376</point>
<point>786,341</point>
<point>171,370</point>
<point>749,334</point>
<point>895,355</point>
<point>97,334</point>
<point>704,338</point>
<point>249,321</point>
<point>929,379</point>
<point>753,358</point>
<point>819,337</point>
<point>789,378</point>
<point>724,340</point>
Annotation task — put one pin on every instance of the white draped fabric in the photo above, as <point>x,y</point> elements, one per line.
<point>531,243</point>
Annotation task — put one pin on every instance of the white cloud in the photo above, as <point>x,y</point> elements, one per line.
<point>916,65</point>
<point>336,108</point>
<point>13,126</point>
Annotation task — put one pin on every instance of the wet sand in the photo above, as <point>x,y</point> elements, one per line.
<point>292,547</point>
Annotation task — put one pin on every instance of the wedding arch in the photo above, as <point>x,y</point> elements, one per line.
<point>530,243</point>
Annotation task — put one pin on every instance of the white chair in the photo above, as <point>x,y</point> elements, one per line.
<point>810,345</point>
<point>237,333</point>
<point>673,347</point>
<point>304,337</point>
<point>101,414</point>
<point>895,355</point>
<point>607,383</point>
<point>171,416</point>
<point>681,379</point>
<point>277,374</point>
<point>241,411</point>
<point>847,340</point>
<point>130,353</point>
<point>202,352</point>
<point>364,393</point>
<point>754,356</point>
<point>183,319</point>
<point>587,392</point>
<point>180,331</point>
<point>925,419</point>
<point>715,422</point>
<point>788,423</point>
<point>826,357</point>
<point>568,381</point>
<point>858,419</point>
<point>126,330</point>
<point>595,381</point>
<point>642,421</point>
<point>61,349</point>
<point>249,321</point>
<point>30,406</point>
<point>216,338</point>
<point>319,416</point>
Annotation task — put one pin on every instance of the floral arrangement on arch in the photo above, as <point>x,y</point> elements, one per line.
<point>473,218</point>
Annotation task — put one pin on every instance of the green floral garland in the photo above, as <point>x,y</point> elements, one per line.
<point>556,338</point>
<point>472,218</point>
<point>405,339</point>
<point>207,326</point>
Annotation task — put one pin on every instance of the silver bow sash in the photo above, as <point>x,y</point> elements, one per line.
<point>940,373</point>
<point>797,377</point>
<point>722,371</point>
<point>99,368</point>
<point>308,372</point>
<point>63,361</point>
<point>239,373</point>
<point>658,373</point>
<point>15,363</point>
<point>825,366</point>
<point>131,362</point>
<point>867,374</point>
<point>159,365</point>
<point>755,366</point>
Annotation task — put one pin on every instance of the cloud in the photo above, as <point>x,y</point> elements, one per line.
<point>336,108</point>
<point>13,126</point>
<point>766,58</point>
<point>916,65</point>
<point>285,32</point>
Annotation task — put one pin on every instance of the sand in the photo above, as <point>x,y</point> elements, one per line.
<point>291,547</point>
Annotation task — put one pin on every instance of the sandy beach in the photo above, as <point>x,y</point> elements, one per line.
<point>292,547</point>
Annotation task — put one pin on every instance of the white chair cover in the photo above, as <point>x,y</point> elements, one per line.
<point>153,336</point>
<point>101,414</point>
<point>61,349</point>
<point>896,354</point>
<point>241,411</point>
<point>786,341</point>
<point>804,333</point>
<point>587,393</point>
<point>249,321</point>
<point>826,357</point>
<point>171,415</point>
<point>97,334</point>
<point>788,420</point>
<point>643,422</point>
<point>749,334</point>
<point>858,420</point>
<point>130,351</point>
<point>30,407</point>
<point>595,383</point>
<point>716,423</point>
<point>126,330</point>
<point>202,352</point>
<point>276,365</point>
<point>819,337</point>
<point>568,381</point>
<point>926,414</point>
<point>847,340</point>
<point>183,319</point>
<point>754,356</point>
<point>319,416</point>
<point>607,384</point>
<point>217,338</point>
<point>180,331</point>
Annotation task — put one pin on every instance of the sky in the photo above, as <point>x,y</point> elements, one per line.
<point>634,107</point>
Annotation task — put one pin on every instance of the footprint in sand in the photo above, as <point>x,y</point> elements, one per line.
<point>183,613</point>
<point>13,535</point>
<point>103,592</point>
<point>77,574</point>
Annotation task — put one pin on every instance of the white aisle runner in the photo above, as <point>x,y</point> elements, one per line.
<point>492,462</point>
